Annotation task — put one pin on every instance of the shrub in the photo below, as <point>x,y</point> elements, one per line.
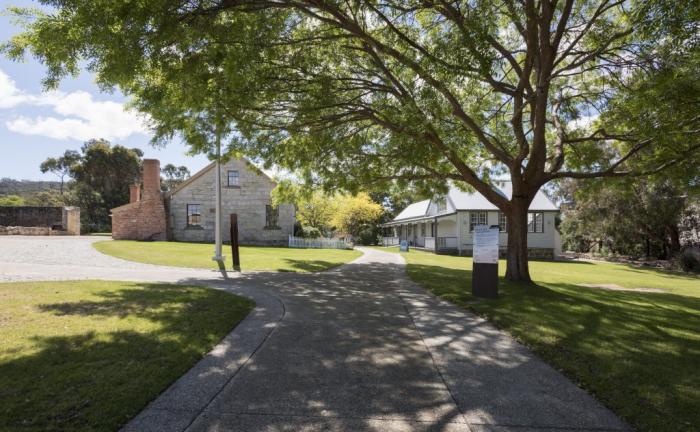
<point>308,232</point>
<point>689,261</point>
<point>368,236</point>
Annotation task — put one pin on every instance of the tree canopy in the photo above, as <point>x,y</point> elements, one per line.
<point>361,93</point>
<point>173,176</point>
<point>101,174</point>
<point>61,165</point>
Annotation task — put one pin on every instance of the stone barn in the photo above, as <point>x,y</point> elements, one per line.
<point>245,191</point>
<point>187,213</point>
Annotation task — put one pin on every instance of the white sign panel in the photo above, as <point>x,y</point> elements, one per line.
<point>485,244</point>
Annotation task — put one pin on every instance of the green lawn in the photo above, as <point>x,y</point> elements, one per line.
<point>90,355</point>
<point>639,353</point>
<point>253,258</point>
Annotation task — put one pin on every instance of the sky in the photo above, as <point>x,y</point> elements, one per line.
<point>35,125</point>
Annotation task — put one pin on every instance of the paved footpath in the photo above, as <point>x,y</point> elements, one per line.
<point>359,348</point>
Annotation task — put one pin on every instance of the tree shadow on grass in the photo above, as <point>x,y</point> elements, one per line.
<point>306,265</point>
<point>99,379</point>
<point>636,351</point>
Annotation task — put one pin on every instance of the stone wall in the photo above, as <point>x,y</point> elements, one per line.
<point>145,218</point>
<point>71,220</point>
<point>248,201</point>
<point>39,221</point>
<point>28,231</point>
<point>31,216</point>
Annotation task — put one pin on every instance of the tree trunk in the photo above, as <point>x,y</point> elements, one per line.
<point>675,245</point>
<point>517,265</point>
<point>648,255</point>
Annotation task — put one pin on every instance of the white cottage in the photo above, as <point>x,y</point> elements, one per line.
<point>445,223</point>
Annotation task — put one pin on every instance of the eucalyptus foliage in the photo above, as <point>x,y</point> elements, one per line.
<point>358,94</point>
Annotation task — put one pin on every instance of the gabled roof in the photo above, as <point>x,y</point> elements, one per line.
<point>211,166</point>
<point>418,209</point>
<point>192,178</point>
<point>475,201</point>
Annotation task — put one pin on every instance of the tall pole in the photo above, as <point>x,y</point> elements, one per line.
<point>217,223</point>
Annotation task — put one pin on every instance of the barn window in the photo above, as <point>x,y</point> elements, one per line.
<point>194,215</point>
<point>234,178</point>
<point>271,217</point>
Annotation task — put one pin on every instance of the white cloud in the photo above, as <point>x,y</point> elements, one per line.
<point>79,116</point>
<point>10,95</point>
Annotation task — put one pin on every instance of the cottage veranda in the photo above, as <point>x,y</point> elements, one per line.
<point>445,223</point>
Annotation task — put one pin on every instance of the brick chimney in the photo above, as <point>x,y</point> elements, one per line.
<point>151,179</point>
<point>134,193</point>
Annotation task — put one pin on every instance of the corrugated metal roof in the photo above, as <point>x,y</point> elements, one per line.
<point>475,201</point>
<point>414,210</point>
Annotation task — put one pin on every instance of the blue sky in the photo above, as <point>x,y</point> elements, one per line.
<point>35,125</point>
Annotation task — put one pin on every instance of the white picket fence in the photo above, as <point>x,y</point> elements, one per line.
<point>318,243</point>
<point>390,241</point>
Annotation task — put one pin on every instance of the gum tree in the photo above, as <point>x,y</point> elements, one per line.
<point>365,93</point>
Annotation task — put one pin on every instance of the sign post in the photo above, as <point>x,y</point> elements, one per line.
<point>485,269</point>
<point>234,242</point>
<point>403,246</point>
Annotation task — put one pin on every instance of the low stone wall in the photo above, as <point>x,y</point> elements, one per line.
<point>39,221</point>
<point>26,216</point>
<point>19,230</point>
<point>32,231</point>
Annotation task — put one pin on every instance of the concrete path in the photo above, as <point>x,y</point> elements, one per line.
<point>360,348</point>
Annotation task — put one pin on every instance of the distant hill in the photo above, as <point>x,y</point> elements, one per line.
<point>10,186</point>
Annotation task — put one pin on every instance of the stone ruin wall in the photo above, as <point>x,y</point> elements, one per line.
<point>25,220</point>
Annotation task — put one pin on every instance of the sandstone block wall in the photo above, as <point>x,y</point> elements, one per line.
<point>248,200</point>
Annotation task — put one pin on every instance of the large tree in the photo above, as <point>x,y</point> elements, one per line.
<point>631,218</point>
<point>173,176</point>
<point>61,165</point>
<point>101,175</point>
<point>360,93</point>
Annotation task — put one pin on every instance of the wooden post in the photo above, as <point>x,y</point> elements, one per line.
<point>435,236</point>
<point>234,242</point>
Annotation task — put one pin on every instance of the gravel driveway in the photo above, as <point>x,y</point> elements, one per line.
<point>26,258</point>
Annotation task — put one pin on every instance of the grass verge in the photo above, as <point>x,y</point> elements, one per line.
<point>638,352</point>
<point>90,355</point>
<point>253,258</point>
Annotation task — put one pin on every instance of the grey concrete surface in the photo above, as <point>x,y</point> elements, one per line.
<point>359,348</point>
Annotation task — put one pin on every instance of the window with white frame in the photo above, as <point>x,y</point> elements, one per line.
<point>535,222</point>
<point>234,178</point>
<point>194,215</point>
<point>476,218</point>
<point>422,229</point>
<point>502,222</point>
